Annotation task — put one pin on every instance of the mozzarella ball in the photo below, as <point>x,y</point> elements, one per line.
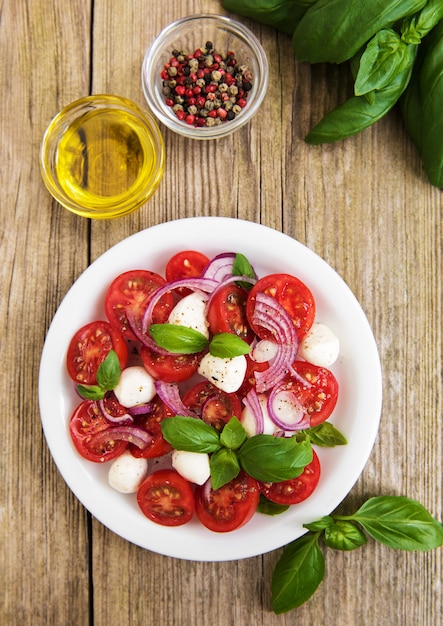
<point>225,374</point>
<point>194,466</point>
<point>190,311</point>
<point>135,387</point>
<point>320,346</point>
<point>127,473</point>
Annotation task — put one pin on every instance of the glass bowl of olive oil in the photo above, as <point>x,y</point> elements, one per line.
<point>102,156</point>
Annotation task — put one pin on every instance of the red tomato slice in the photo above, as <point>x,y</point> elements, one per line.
<point>86,421</point>
<point>151,422</point>
<point>89,347</point>
<point>296,489</point>
<point>214,406</point>
<point>132,291</point>
<point>229,507</point>
<point>319,394</point>
<point>227,312</point>
<point>185,264</point>
<point>292,294</point>
<point>166,498</point>
<point>170,368</point>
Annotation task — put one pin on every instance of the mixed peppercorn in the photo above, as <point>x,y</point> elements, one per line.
<point>206,87</point>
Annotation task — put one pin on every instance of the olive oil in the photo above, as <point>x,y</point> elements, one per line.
<point>103,157</point>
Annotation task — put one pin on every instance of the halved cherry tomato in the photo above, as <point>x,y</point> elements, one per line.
<point>89,347</point>
<point>86,421</point>
<point>296,489</point>
<point>171,368</point>
<point>214,406</point>
<point>185,264</point>
<point>292,294</point>
<point>151,422</point>
<point>229,507</point>
<point>132,291</point>
<point>112,406</point>
<point>166,498</point>
<point>318,395</point>
<point>227,312</point>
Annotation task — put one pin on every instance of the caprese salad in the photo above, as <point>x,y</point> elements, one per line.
<point>206,390</point>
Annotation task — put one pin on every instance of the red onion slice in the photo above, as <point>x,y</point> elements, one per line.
<point>252,403</point>
<point>141,409</point>
<point>203,285</point>
<point>286,410</point>
<point>220,267</point>
<point>270,314</point>
<point>132,434</point>
<point>169,393</point>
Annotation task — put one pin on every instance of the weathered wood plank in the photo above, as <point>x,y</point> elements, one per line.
<point>363,204</point>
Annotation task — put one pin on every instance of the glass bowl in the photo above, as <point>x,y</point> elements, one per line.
<point>188,35</point>
<point>102,156</point>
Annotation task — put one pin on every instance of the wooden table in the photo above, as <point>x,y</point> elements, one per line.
<point>364,205</point>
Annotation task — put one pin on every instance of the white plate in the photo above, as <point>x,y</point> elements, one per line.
<point>358,371</point>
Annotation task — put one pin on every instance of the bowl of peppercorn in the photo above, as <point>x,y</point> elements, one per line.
<point>205,76</point>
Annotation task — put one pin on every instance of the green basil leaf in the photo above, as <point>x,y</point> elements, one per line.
<point>266,507</point>
<point>320,524</point>
<point>108,373</point>
<point>242,267</point>
<point>233,434</point>
<point>385,56</point>
<point>419,25</point>
<point>91,392</point>
<point>399,522</point>
<point>325,435</point>
<point>274,459</point>
<point>190,433</point>
<point>333,31</point>
<point>228,346</point>
<point>344,535</point>
<point>356,113</point>
<point>224,467</point>
<point>283,16</point>
<point>178,339</point>
<point>298,573</point>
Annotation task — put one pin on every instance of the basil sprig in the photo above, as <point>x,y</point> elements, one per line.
<point>108,375</point>
<point>395,521</point>
<point>264,457</point>
<point>179,339</point>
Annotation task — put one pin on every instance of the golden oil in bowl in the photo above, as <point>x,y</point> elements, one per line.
<point>102,157</point>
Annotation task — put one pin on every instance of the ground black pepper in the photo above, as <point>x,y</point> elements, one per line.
<point>206,87</point>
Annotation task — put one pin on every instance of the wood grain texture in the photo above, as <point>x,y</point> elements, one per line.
<point>364,205</point>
